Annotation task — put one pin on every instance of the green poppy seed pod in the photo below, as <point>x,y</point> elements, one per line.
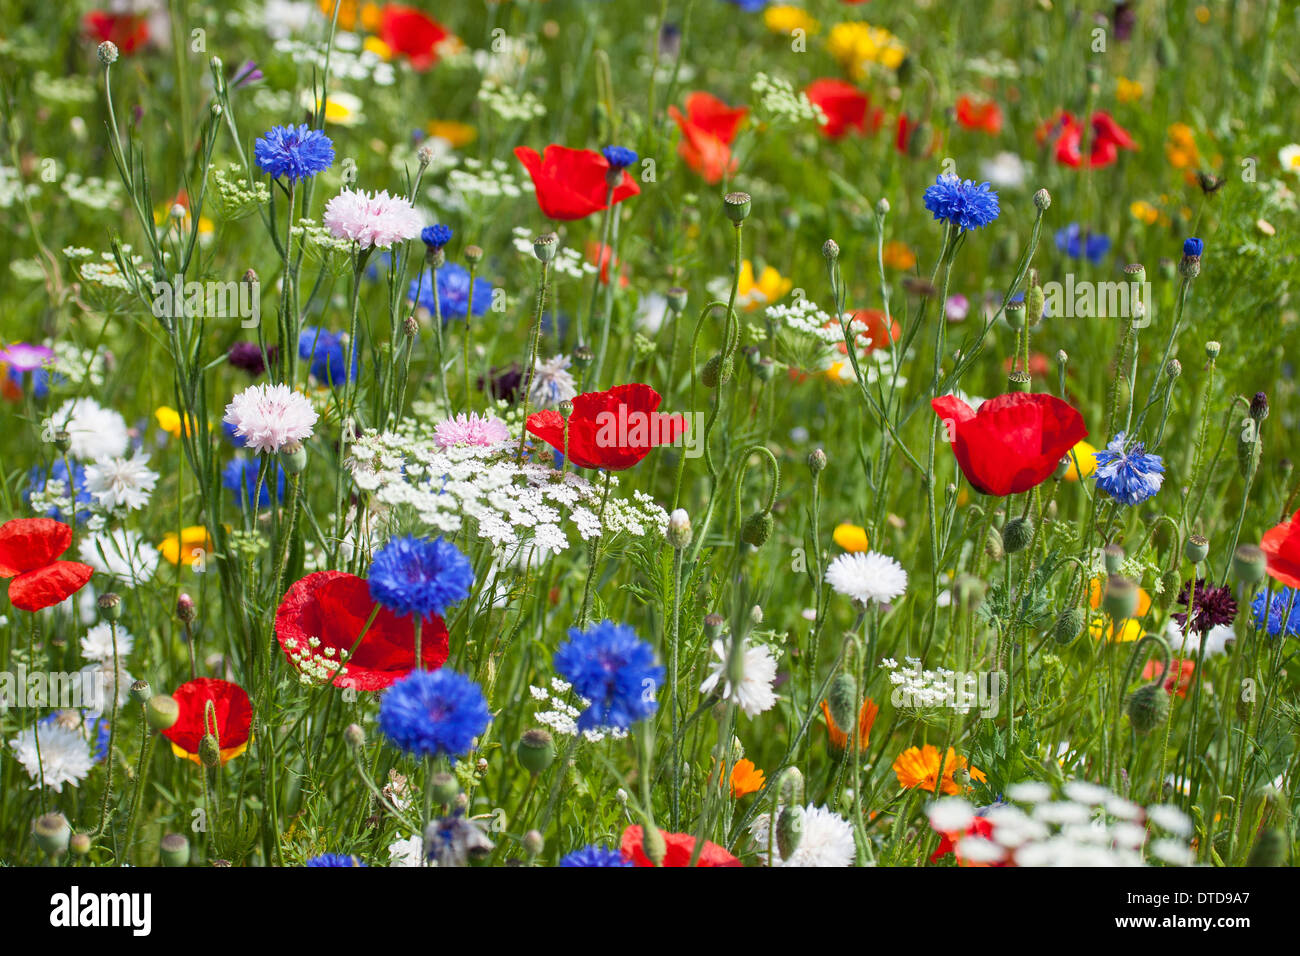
<point>679,529</point>
<point>993,545</point>
<point>1249,564</point>
<point>1015,315</point>
<point>1170,582</point>
<point>1042,200</point>
<point>107,52</point>
<point>141,692</point>
<point>831,250</point>
<point>716,371</point>
<point>161,712</point>
<point>354,736</point>
<point>1019,381</point>
<point>676,297</point>
<point>1196,548</point>
<point>1269,849</point>
<point>1016,535</point>
<point>533,843</point>
<point>757,528</point>
<point>1148,708</point>
<point>1113,555</point>
<point>174,849</point>
<point>653,845</point>
<point>473,255</point>
<point>736,205</point>
<point>582,357</point>
<point>110,606</point>
<point>789,830</point>
<point>565,408</point>
<point>444,787</point>
<point>1069,625</point>
<point>62,441</point>
<point>1120,599</point>
<point>536,750</point>
<point>1212,349</point>
<point>79,844</point>
<point>1135,272</point>
<point>546,246</point>
<point>293,456</point>
<point>713,624</point>
<point>52,833</point>
<point>210,751</point>
<point>817,461</point>
<point>842,700</point>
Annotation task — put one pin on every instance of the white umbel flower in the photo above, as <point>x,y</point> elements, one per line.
<point>867,576</point>
<point>268,417</point>
<point>827,839</point>
<point>64,755</point>
<point>755,694</point>
<point>95,432</point>
<point>97,645</point>
<point>121,482</point>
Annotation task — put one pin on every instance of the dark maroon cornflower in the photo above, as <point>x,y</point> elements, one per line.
<point>1213,606</point>
<point>503,383</point>
<point>1125,19</point>
<point>248,356</point>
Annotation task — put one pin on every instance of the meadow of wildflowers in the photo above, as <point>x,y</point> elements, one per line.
<point>691,433</point>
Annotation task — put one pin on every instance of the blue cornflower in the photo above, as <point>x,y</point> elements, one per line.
<point>434,713</point>
<point>334,859</point>
<point>38,478</point>
<point>240,476</point>
<point>612,668</point>
<point>749,6</point>
<point>1193,247</point>
<point>229,429</point>
<point>619,157</point>
<point>961,202</point>
<point>1078,244</point>
<point>324,349</point>
<point>453,292</point>
<point>293,152</point>
<point>427,575</point>
<point>1284,607</point>
<point>592,855</point>
<point>1130,476</point>
<point>435,236</point>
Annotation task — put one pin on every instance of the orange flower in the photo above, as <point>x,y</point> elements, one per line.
<point>898,255</point>
<point>919,766</point>
<point>745,778</point>
<point>708,128</point>
<point>840,738</point>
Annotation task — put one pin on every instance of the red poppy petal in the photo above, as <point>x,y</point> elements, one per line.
<point>30,543</point>
<point>232,709</point>
<point>48,586</point>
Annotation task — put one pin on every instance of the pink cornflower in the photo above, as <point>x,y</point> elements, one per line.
<point>471,429</point>
<point>268,417</point>
<point>368,219</point>
<point>22,357</point>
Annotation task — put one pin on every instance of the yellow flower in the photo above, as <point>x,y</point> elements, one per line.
<point>1202,14</point>
<point>1143,211</point>
<point>745,778</point>
<point>169,420</point>
<point>193,540</point>
<point>1130,631</point>
<point>786,19</point>
<point>851,537</point>
<point>769,287</point>
<point>1180,147</point>
<point>378,47</point>
<point>1094,598</point>
<point>457,134</point>
<point>857,45</point>
<point>919,766</point>
<point>1082,457</point>
<point>341,109</point>
<point>1127,91</point>
<point>898,255</point>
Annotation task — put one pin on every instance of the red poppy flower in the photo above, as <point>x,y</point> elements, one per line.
<point>868,329</point>
<point>126,31</point>
<point>407,31</point>
<point>333,607</point>
<point>708,128</point>
<point>1066,132</point>
<point>600,254</point>
<point>985,116</point>
<point>681,846</point>
<point>1281,545</point>
<point>846,107</point>
<point>980,827</point>
<point>907,130</point>
<point>28,549</point>
<point>1180,674</point>
<point>570,183</point>
<point>1013,443</point>
<point>232,718</point>
<point>612,430</point>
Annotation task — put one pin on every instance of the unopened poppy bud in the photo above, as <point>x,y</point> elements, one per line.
<point>52,833</point>
<point>1170,582</point>
<point>993,545</point>
<point>1148,707</point>
<point>831,250</point>
<point>174,849</point>
<point>817,461</point>
<point>789,830</point>
<point>654,845</point>
<point>1042,200</point>
<point>185,609</point>
<point>1069,625</point>
<point>1113,555</point>
<point>79,844</point>
<point>679,529</point>
<point>354,736</point>
<point>757,528</point>
<point>1249,564</point>
<point>1196,548</point>
<point>536,750</point>
<point>107,52</point>
<point>1120,600</point>
<point>533,842</point>
<point>546,246</point>
<point>444,788</point>
<point>1259,407</point>
<point>1016,535</point>
<point>141,692</point>
<point>736,205</point>
<point>293,456</point>
<point>842,700</point>
<point>713,624</point>
<point>209,751</point>
<point>1035,300</point>
<point>110,606</point>
<point>161,712</point>
<point>676,297</point>
<point>716,371</point>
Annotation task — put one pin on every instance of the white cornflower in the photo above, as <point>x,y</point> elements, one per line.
<point>827,839</point>
<point>95,432</point>
<point>406,852</point>
<point>867,576</point>
<point>268,417</point>
<point>755,694</point>
<point>126,482</point>
<point>122,554</point>
<point>97,645</point>
<point>1168,817</point>
<point>950,815</point>
<point>64,755</point>
<point>371,219</point>
<point>1005,170</point>
<point>552,383</point>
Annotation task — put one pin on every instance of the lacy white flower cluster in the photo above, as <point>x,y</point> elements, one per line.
<point>105,272</point>
<point>74,366</point>
<point>568,261</point>
<point>12,188</point>
<point>781,104</point>
<point>922,688</point>
<point>565,706</point>
<point>347,60</point>
<point>316,665</point>
<point>489,180</point>
<point>509,104</point>
<point>803,317</point>
<point>93,192</point>
<point>1084,825</point>
<point>235,196</point>
<point>505,502</point>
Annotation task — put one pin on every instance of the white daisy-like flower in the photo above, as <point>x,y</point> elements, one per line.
<point>1004,170</point>
<point>867,576</point>
<point>1289,157</point>
<point>95,432</point>
<point>64,755</point>
<point>827,839</point>
<point>125,482</point>
<point>551,383</point>
<point>120,553</point>
<point>97,644</point>
<point>1188,643</point>
<point>371,219</point>
<point>755,693</point>
<point>268,417</point>
<point>950,815</point>
<point>406,852</point>
<point>1168,817</point>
